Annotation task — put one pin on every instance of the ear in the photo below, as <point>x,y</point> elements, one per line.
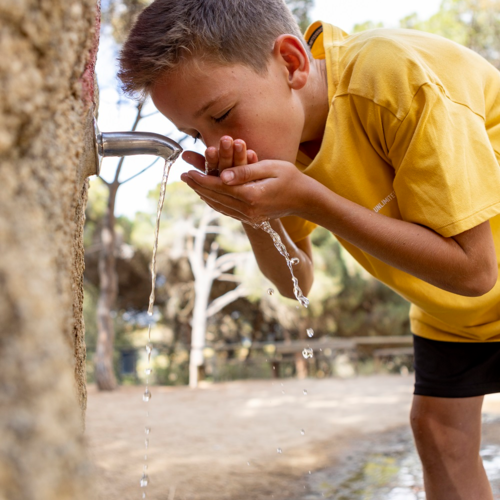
<point>290,52</point>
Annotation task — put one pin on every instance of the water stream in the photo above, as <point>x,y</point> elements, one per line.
<point>149,347</point>
<point>303,301</point>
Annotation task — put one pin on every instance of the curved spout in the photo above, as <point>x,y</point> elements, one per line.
<point>135,143</point>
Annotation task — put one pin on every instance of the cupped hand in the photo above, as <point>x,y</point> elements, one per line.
<point>253,193</point>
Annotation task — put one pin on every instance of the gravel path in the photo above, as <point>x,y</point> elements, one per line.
<point>220,442</point>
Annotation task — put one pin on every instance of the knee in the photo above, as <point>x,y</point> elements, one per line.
<point>438,442</point>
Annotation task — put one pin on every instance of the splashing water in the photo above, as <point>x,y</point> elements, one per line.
<point>144,480</point>
<point>266,226</point>
<point>308,352</point>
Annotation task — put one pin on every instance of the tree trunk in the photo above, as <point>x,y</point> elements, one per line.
<point>46,152</point>
<point>199,326</point>
<point>108,291</point>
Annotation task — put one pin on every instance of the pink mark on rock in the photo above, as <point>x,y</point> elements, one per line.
<point>87,78</point>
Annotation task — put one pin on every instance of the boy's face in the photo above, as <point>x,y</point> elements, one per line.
<point>209,100</point>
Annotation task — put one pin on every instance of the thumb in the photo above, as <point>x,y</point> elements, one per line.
<point>235,176</point>
<point>194,159</point>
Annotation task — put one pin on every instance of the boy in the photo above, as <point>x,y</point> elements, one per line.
<point>389,139</point>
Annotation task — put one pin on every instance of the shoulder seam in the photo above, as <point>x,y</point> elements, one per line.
<point>348,94</point>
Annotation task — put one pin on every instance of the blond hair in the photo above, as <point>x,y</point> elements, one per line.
<point>225,31</point>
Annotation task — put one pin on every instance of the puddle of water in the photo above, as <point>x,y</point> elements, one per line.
<point>387,471</point>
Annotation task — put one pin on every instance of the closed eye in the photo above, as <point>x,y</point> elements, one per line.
<point>223,117</point>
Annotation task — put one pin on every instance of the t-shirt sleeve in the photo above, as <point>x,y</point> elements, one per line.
<point>297,228</point>
<point>447,175</point>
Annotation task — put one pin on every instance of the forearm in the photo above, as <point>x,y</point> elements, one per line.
<point>409,247</point>
<point>273,265</point>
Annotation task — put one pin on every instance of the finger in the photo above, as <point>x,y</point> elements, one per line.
<point>246,173</point>
<point>195,159</point>
<point>212,160</point>
<point>240,153</point>
<point>214,188</point>
<point>252,157</point>
<point>225,153</point>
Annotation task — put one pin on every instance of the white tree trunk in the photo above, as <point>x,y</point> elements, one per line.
<point>199,327</point>
<point>205,271</point>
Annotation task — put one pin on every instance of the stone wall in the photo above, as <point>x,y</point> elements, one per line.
<point>47,56</point>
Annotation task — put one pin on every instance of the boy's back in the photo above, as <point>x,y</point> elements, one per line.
<point>412,135</point>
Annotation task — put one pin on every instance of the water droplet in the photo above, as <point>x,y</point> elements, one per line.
<point>309,472</point>
<point>279,450</point>
<point>302,432</point>
<point>270,291</point>
<point>145,467</point>
<point>282,392</point>
<point>143,495</point>
<point>295,261</point>
<point>145,457</point>
<point>305,392</point>
<point>148,371</point>
<point>149,348</point>
<point>248,463</point>
<point>147,395</point>
<point>144,480</point>
<point>146,443</point>
<point>147,430</point>
<point>310,332</point>
<point>308,352</point>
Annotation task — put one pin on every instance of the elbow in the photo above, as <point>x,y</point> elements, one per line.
<point>305,285</point>
<point>481,281</point>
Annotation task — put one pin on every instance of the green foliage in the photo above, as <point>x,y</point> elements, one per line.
<point>96,208</point>
<point>367,25</point>
<point>301,9</point>
<point>473,23</point>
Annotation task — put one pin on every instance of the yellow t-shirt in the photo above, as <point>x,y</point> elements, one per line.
<point>413,133</point>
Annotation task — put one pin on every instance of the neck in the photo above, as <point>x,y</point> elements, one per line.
<point>315,100</point>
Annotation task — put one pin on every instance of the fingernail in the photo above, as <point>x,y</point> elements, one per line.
<point>184,177</point>
<point>211,153</point>
<point>226,143</point>
<point>238,147</point>
<point>227,176</point>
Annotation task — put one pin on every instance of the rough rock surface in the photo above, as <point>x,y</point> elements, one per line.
<point>47,52</point>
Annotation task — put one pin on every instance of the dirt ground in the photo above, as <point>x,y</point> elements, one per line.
<point>221,441</point>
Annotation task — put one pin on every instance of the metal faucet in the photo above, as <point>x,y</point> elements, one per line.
<point>133,143</point>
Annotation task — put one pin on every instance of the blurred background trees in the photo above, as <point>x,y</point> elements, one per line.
<point>211,298</point>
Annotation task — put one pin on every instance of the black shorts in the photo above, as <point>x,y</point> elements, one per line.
<point>456,369</point>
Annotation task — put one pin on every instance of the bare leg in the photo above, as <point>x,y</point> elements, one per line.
<point>447,434</point>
